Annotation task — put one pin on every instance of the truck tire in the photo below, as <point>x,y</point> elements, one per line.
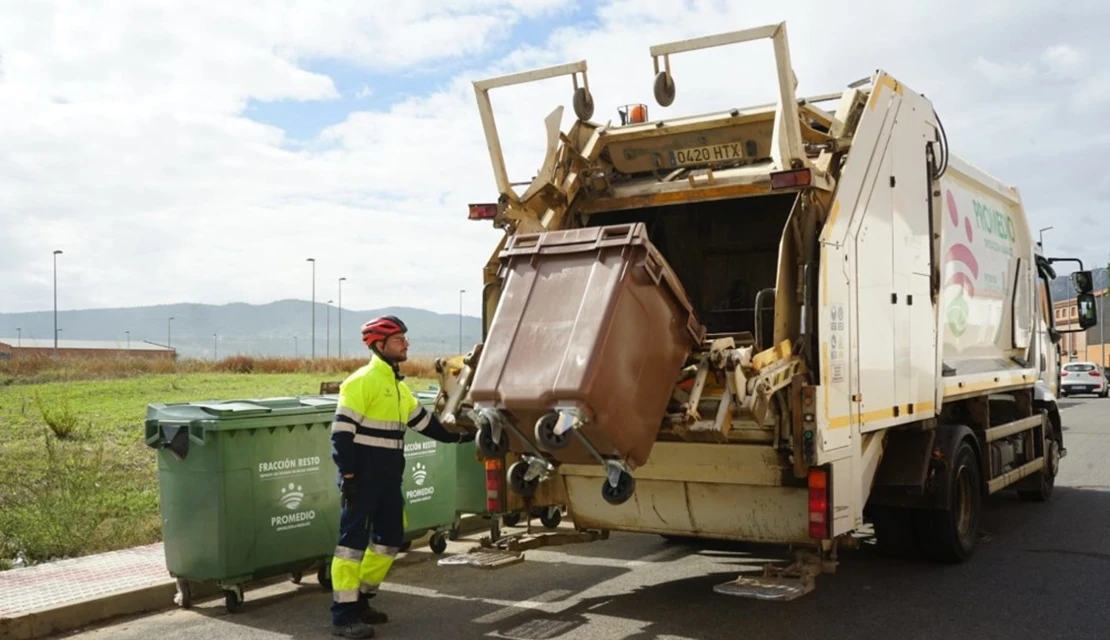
<point>949,535</point>
<point>1046,475</point>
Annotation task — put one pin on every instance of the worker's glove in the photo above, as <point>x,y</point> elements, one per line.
<point>347,489</point>
<point>466,437</point>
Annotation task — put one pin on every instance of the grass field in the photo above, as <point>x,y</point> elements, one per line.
<point>75,475</point>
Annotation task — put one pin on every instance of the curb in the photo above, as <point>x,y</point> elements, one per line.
<point>154,598</point>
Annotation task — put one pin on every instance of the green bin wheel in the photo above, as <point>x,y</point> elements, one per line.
<point>406,545</point>
<point>323,574</point>
<point>296,577</point>
<point>184,597</point>
<point>438,543</point>
<point>511,519</point>
<point>233,600</point>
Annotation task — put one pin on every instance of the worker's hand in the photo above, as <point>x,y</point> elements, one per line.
<point>466,437</point>
<point>347,489</point>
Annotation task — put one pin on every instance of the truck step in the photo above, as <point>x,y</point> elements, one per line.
<point>766,588</point>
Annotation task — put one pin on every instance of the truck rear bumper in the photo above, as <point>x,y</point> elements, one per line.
<point>728,492</point>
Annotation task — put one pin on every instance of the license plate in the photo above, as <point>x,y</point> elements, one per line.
<point>728,152</point>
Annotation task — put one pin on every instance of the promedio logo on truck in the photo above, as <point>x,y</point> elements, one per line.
<point>995,231</point>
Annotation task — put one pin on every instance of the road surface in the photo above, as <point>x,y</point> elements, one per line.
<point>1042,571</point>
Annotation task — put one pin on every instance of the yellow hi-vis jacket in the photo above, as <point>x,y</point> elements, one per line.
<point>374,408</point>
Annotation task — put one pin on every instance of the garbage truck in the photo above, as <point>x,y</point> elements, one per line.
<point>778,323</point>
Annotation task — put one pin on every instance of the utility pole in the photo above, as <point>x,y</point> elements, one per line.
<point>461,292</point>
<point>56,253</point>
<point>327,330</point>
<point>19,338</point>
<point>169,333</point>
<point>128,340</point>
<point>215,351</point>
<point>339,347</point>
<point>313,261</point>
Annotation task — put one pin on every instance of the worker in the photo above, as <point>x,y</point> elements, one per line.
<point>375,406</point>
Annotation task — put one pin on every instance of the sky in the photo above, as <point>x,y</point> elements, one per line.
<point>202,151</point>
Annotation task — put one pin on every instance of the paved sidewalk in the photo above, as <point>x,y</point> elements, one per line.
<point>55,584</point>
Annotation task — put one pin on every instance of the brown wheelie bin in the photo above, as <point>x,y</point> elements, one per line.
<point>592,323</point>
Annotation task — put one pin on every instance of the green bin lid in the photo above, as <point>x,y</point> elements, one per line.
<point>216,412</point>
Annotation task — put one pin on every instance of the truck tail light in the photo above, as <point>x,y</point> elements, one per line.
<point>818,504</point>
<point>483,211</point>
<point>494,479</point>
<point>788,179</point>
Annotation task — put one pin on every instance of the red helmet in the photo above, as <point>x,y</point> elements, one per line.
<point>381,328</point>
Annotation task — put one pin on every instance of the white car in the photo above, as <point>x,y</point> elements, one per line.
<point>1083,377</point>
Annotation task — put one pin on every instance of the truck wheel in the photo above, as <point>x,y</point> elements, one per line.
<point>895,533</point>
<point>950,535</point>
<point>1047,476</point>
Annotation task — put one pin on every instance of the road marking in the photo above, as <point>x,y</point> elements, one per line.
<point>536,602</point>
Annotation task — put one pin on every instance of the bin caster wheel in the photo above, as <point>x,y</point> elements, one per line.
<point>626,486</point>
<point>551,518</point>
<point>438,543</point>
<point>184,596</point>
<point>546,436</point>
<point>511,519</point>
<point>488,447</point>
<point>296,577</point>
<point>323,574</point>
<point>525,488</point>
<point>233,600</point>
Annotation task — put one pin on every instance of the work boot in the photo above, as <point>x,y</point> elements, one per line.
<point>353,630</point>
<point>370,615</point>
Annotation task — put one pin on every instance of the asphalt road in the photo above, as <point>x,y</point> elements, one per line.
<point>1042,571</point>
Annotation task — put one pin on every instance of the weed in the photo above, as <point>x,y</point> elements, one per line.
<point>59,416</point>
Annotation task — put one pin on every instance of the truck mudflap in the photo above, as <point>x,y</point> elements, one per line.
<point>781,583</point>
<point>509,550</point>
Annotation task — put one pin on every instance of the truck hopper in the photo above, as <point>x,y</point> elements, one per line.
<point>591,335</point>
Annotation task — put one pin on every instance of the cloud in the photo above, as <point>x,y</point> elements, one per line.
<point>126,140</point>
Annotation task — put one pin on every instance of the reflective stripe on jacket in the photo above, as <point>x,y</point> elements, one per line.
<point>373,410</point>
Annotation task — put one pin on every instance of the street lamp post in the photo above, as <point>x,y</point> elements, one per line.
<point>215,349</point>
<point>128,340</point>
<point>313,261</point>
<point>461,292</point>
<point>327,329</point>
<point>169,333</point>
<point>296,349</point>
<point>339,346</point>
<point>19,338</point>
<point>56,253</point>
<point>1040,232</point>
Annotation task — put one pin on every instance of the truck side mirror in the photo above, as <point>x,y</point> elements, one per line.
<point>1054,335</point>
<point>1083,281</point>
<point>1088,315</point>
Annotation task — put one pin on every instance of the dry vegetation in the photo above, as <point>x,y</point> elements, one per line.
<point>32,370</point>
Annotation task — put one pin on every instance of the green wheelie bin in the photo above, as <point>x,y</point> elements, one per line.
<point>248,490</point>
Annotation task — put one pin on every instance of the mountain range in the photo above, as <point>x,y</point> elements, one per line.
<point>277,329</point>
<point>282,328</point>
